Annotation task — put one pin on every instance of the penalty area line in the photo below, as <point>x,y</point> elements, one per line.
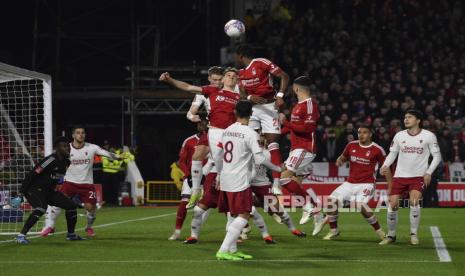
<point>440,245</point>
<point>99,226</point>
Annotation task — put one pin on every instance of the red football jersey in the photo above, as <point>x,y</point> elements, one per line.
<point>304,118</point>
<point>186,152</point>
<point>256,78</point>
<point>222,104</point>
<point>364,161</point>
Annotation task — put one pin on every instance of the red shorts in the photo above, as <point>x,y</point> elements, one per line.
<point>86,192</point>
<point>260,193</point>
<point>210,193</point>
<point>203,139</point>
<point>401,185</point>
<point>236,202</point>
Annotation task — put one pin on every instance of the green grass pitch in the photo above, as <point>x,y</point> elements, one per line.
<point>133,241</point>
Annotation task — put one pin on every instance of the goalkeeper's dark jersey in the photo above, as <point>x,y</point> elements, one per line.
<point>47,173</point>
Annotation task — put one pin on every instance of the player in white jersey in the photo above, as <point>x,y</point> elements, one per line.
<point>412,148</point>
<point>239,149</point>
<point>79,180</point>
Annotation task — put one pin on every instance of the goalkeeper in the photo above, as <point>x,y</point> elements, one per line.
<point>39,187</point>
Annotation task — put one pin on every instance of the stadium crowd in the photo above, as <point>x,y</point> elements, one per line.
<point>371,61</point>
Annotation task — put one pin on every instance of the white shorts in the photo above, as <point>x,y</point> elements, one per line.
<point>186,191</point>
<point>300,162</point>
<point>214,138</point>
<point>354,192</point>
<point>267,116</point>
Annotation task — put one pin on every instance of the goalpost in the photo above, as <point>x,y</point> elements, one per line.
<point>25,137</point>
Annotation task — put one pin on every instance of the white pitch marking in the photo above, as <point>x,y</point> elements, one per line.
<point>215,261</point>
<point>101,226</point>
<point>441,249</point>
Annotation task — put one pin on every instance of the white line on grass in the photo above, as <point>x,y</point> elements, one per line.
<point>441,249</point>
<point>101,225</point>
<point>215,261</point>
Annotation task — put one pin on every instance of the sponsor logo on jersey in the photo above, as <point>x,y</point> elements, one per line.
<point>407,149</point>
<point>80,161</point>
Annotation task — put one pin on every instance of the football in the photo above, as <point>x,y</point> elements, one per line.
<point>234,28</point>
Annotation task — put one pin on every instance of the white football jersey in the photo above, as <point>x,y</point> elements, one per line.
<point>200,100</point>
<point>239,143</point>
<point>80,170</point>
<point>414,152</point>
<point>259,176</point>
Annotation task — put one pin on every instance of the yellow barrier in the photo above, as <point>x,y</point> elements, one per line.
<point>161,192</point>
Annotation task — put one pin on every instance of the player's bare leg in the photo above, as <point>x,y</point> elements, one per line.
<point>414,202</point>
<point>392,218</point>
<point>370,217</point>
<point>228,249</point>
<point>90,214</point>
<point>200,154</point>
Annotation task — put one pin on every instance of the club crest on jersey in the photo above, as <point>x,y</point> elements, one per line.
<point>86,152</point>
<point>367,154</point>
<point>403,142</point>
<point>354,151</point>
<point>421,141</point>
<point>254,72</point>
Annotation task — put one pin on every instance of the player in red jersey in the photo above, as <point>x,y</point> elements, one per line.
<point>302,126</point>
<point>215,75</point>
<point>365,157</point>
<point>256,81</point>
<point>222,104</point>
<point>202,148</point>
<point>185,160</point>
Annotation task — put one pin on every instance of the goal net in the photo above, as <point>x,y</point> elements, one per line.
<point>25,137</point>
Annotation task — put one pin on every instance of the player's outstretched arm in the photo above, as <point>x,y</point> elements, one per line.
<point>110,155</point>
<point>180,84</point>
<point>341,160</point>
<point>260,159</point>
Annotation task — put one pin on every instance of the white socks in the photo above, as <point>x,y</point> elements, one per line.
<point>196,173</point>
<point>259,222</point>
<point>415,215</point>
<point>90,218</point>
<point>197,221</point>
<point>392,222</point>
<point>205,215</point>
<point>234,231</point>
<point>286,219</point>
<point>51,216</point>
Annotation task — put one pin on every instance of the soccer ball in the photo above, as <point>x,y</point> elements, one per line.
<point>234,28</point>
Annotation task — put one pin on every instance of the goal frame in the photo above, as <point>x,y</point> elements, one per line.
<point>12,73</point>
<point>24,74</point>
